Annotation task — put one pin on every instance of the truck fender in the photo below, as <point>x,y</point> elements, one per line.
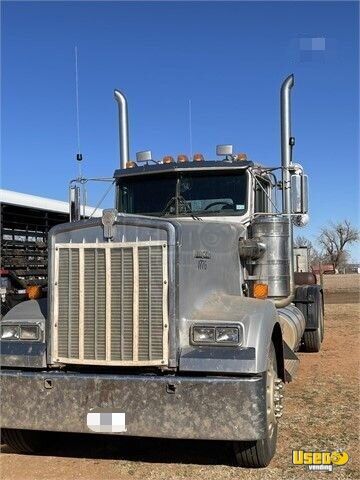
<point>308,299</point>
<point>260,324</point>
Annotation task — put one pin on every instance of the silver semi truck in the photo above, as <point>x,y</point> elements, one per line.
<point>176,314</point>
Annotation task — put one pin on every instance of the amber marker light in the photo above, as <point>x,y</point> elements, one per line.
<point>198,157</point>
<point>182,158</point>
<point>168,159</point>
<point>130,164</point>
<point>33,292</point>
<point>241,157</point>
<point>261,291</point>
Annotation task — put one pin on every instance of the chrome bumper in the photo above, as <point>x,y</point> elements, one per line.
<point>228,408</point>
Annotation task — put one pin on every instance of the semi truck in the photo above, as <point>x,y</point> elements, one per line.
<point>177,314</point>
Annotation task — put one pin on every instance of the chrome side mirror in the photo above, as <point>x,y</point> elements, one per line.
<point>299,194</point>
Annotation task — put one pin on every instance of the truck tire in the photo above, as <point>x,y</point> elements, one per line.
<point>322,322</point>
<point>258,453</point>
<point>23,441</point>
<point>311,341</point>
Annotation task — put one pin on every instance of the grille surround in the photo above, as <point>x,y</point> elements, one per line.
<point>132,307</point>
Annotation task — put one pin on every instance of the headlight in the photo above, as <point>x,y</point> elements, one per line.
<point>204,334</point>
<point>10,332</point>
<point>20,332</point>
<point>29,332</point>
<point>212,335</point>
<point>227,334</point>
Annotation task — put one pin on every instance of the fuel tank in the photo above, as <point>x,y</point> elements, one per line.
<point>292,323</point>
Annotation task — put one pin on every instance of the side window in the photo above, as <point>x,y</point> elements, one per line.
<point>261,199</point>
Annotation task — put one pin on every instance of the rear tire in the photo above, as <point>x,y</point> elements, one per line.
<point>312,338</point>
<point>258,453</point>
<point>23,441</point>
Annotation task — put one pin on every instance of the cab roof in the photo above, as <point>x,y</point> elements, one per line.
<point>182,167</point>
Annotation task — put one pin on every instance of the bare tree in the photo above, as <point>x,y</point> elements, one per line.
<point>301,241</point>
<point>334,240</point>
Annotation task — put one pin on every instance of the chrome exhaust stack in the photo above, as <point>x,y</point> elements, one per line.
<point>287,143</point>
<point>123,128</point>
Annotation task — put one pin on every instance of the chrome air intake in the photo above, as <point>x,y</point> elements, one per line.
<point>273,267</point>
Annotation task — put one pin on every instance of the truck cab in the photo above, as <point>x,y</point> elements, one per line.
<point>231,190</point>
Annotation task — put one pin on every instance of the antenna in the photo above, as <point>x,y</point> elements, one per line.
<point>78,155</point>
<point>190,130</point>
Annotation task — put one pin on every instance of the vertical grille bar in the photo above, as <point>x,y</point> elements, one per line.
<point>69,302</point>
<point>136,304</point>
<point>122,306</point>
<point>81,304</point>
<point>108,303</point>
<point>116,304</point>
<point>149,301</point>
<point>95,304</point>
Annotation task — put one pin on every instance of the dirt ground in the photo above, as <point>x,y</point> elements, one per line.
<point>321,413</point>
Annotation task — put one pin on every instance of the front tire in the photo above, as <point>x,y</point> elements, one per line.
<point>23,441</point>
<point>258,453</point>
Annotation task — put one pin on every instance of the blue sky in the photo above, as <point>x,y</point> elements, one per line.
<point>228,58</point>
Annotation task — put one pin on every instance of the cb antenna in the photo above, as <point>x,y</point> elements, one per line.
<point>78,154</point>
<point>190,130</point>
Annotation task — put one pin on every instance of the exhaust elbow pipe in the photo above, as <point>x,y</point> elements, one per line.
<point>286,142</point>
<point>123,128</point>
<point>286,87</point>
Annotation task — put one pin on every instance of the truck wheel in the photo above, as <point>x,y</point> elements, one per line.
<point>23,441</point>
<point>312,338</point>
<point>258,453</point>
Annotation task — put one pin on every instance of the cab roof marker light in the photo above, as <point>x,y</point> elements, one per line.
<point>130,164</point>
<point>168,159</point>
<point>198,157</point>
<point>182,158</point>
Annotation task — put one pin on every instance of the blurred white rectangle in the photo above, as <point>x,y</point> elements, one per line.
<point>106,422</point>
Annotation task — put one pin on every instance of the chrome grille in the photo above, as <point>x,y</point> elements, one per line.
<point>110,304</point>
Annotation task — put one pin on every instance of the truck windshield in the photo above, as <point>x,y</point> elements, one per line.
<point>184,194</point>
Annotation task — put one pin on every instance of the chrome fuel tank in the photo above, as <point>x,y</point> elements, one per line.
<point>292,323</point>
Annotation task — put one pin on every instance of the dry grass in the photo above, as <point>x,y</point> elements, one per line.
<point>348,283</point>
